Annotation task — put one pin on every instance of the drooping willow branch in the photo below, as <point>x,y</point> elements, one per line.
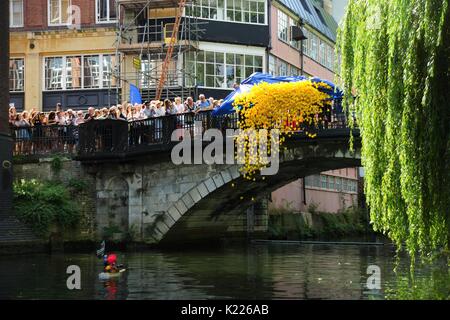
<point>395,58</point>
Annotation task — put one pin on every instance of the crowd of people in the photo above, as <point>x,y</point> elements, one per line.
<point>57,131</point>
<point>35,130</point>
<point>125,111</point>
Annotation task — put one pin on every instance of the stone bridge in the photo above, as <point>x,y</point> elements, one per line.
<point>140,194</point>
<point>159,202</point>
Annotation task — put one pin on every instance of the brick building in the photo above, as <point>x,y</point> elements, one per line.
<point>61,51</point>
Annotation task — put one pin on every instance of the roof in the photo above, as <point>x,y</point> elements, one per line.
<point>312,13</point>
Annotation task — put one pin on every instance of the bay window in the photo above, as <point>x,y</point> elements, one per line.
<point>207,9</point>
<point>222,70</point>
<point>245,11</point>
<point>16,74</point>
<point>79,72</point>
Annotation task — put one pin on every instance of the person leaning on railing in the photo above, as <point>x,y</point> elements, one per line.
<point>22,134</point>
<point>57,130</point>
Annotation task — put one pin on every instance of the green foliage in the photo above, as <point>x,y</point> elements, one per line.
<point>56,164</point>
<point>43,204</point>
<point>284,224</point>
<point>431,285</point>
<point>313,208</point>
<point>77,185</point>
<point>396,60</point>
<point>289,226</point>
<point>347,222</point>
<point>108,232</point>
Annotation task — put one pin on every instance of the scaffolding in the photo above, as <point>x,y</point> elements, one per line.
<point>155,35</point>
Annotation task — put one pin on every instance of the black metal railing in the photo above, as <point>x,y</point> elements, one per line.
<point>107,137</point>
<point>43,140</point>
<point>103,136</point>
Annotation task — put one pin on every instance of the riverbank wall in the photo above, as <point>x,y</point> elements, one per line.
<point>73,176</point>
<point>349,224</point>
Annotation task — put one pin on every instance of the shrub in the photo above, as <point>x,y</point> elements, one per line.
<point>42,204</point>
<point>285,224</point>
<point>56,164</point>
<point>77,185</point>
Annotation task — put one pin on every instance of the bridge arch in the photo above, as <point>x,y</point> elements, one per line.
<point>217,205</point>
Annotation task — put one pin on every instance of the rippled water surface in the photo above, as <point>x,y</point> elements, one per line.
<point>253,272</point>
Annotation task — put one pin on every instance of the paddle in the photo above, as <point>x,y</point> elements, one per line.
<point>101,251</point>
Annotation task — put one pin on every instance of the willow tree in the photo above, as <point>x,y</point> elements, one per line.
<point>395,69</point>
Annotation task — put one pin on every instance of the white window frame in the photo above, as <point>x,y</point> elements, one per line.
<point>307,43</point>
<point>322,52</point>
<point>294,44</point>
<point>283,68</point>
<point>282,21</point>
<point>272,68</point>
<point>61,23</point>
<point>330,58</point>
<point>224,13</point>
<point>225,65</point>
<point>64,72</point>
<point>23,80</point>
<point>11,20</point>
<point>97,13</point>
<point>100,70</point>
<point>232,49</point>
<point>314,52</point>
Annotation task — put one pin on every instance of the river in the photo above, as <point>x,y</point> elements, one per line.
<point>263,271</point>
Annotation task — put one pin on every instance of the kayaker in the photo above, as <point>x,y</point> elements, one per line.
<point>111,261</point>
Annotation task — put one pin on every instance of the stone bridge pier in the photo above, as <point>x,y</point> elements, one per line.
<point>150,199</point>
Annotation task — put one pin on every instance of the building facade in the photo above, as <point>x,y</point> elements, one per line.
<point>285,57</point>
<point>87,53</point>
<point>83,53</point>
<point>220,43</point>
<point>61,51</point>
<point>330,191</point>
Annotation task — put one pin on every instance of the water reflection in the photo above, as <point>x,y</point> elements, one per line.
<point>253,272</point>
